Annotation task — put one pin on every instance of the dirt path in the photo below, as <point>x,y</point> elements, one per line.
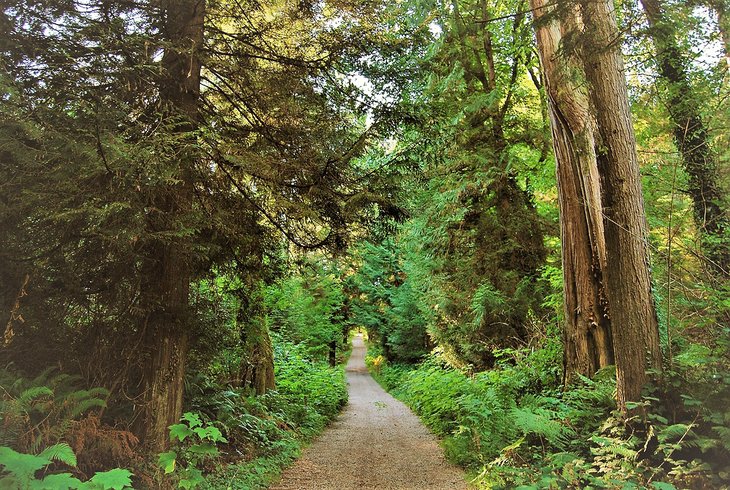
<point>375,443</point>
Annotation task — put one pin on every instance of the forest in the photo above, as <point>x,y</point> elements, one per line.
<point>521,205</point>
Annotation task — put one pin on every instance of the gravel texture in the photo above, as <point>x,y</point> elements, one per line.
<point>376,443</point>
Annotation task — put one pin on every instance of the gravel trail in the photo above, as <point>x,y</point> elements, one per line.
<point>376,443</point>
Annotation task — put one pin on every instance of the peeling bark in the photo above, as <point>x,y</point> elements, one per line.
<point>610,315</point>
<point>587,329</point>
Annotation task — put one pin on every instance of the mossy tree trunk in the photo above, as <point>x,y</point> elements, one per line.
<point>691,135</point>
<point>257,364</point>
<point>167,264</point>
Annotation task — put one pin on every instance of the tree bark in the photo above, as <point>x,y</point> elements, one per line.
<point>610,314</point>
<point>633,316</point>
<point>587,327</point>
<point>691,136</point>
<point>257,365</point>
<point>167,268</point>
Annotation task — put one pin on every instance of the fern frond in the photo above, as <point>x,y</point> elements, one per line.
<point>61,452</point>
<point>32,394</point>
<point>674,432</point>
<point>86,405</point>
<point>42,378</point>
<point>724,436</point>
<point>98,392</point>
<point>534,422</point>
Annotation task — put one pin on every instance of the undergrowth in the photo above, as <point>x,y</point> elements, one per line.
<point>515,427</point>
<point>54,410</point>
<point>265,433</point>
<point>243,441</point>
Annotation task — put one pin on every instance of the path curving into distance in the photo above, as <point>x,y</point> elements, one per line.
<point>376,443</point>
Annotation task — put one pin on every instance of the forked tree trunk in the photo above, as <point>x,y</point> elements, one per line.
<point>610,314</point>
<point>692,138</point>
<point>587,329</point>
<point>634,322</point>
<point>167,269</point>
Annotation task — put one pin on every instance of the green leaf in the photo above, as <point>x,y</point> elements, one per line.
<point>60,452</point>
<point>166,461</point>
<point>204,449</point>
<point>660,485</point>
<point>62,481</point>
<point>180,431</point>
<point>211,433</point>
<point>193,419</point>
<point>23,466</point>
<point>116,479</point>
<point>191,478</point>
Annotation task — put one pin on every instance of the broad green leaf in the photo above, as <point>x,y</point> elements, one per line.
<point>116,479</point>
<point>204,449</point>
<point>21,465</point>
<point>211,433</point>
<point>62,481</point>
<point>191,478</point>
<point>660,485</point>
<point>166,461</point>
<point>180,432</point>
<point>193,419</point>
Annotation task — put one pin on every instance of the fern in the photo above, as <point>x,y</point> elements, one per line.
<point>19,471</point>
<point>31,394</point>
<point>40,412</point>
<point>674,432</point>
<point>538,422</point>
<point>724,436</point>
<point>84,405</point>
<point>61,452</point>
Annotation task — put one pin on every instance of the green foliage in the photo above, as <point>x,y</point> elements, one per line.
<point>195,443</point>
<point>39,412</point>
<point>518,429</point>
<point>387,304</point>
<point>269,428</point>
<point>308,308</point>
<point>18,472</point>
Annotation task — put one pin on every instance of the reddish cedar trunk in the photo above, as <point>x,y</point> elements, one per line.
<point>633,316</point>
<point>167,266</point>
<point>587,330</point>
<point>610,314</point>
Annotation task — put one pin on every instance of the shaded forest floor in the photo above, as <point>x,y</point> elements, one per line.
<point>376,443</point>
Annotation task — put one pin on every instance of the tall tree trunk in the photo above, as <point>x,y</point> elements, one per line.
<point>167,268</point>
<point>691,137</point>
<point>587,329</point>
<point>635,327</point>
<point>610,314</point>
<point>257,366</point>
